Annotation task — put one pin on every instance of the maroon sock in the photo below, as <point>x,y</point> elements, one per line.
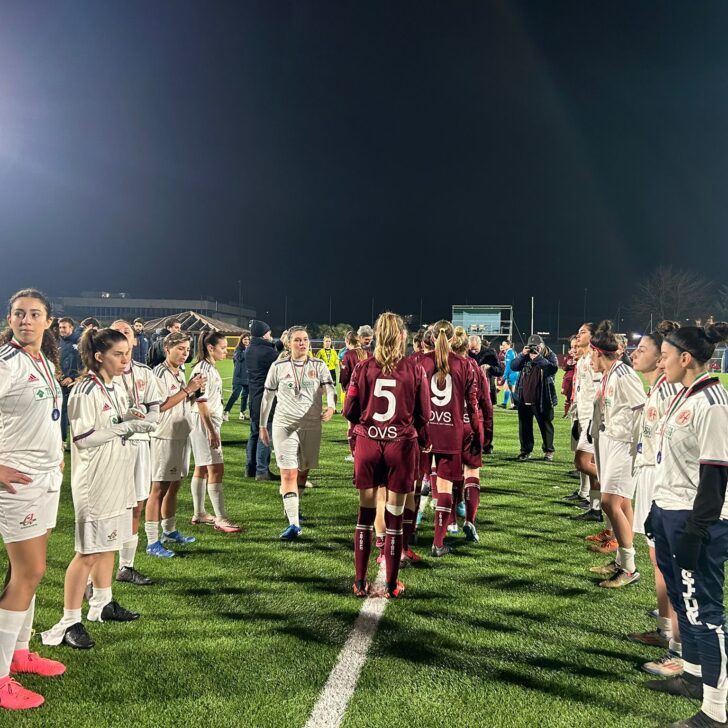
<point>393,547</point>
<point>442,517</point>
<point>363,541</point>
<point>472,499</point>
<point>408,527</point>
<point>457,492</point>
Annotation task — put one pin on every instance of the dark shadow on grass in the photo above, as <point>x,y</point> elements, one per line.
<point>524,585</point>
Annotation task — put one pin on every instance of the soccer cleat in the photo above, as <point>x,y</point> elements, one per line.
<point>699,720</point>
<point>242,417</point>
<point>412,556</point>
<point>176,537</point>
<point>654,613</point>
<point>225,525</point>
<point>607,570</point>
<point>291,533</point>
<point>394,592</point>
<point>453,528</point>
<point>13,696</point>
<point>77,637</point>
<point>461,509</point>
<point>548,457</point>
<point>443,550</point>
<point>524,456</point>
<point>470,532</point>
<point>206,519</point>
<point>590,515</point>
<point>605,547</point>
<point>114,612</point>
<point>575,496</point>
<point>685,686</point>
<point>225,416</point>
<point>361,588</point>
<point>130,575</point>
<point>156,549</point>
<point>620,578</point>
<point>655,638</point>
<point>32,663</point>
<point>603,535</point>
<point>669,665</point>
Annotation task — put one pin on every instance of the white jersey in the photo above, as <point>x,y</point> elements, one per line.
<point>299,390</point>
<point>213,391</point>
<point>102,478</point>
<point>693,432</point>
<point>621,398</point>
<point>658,397</point>
<point>30,439</point>
<point>175,423</point>
<point>587,381</point>
<point>142,388</point>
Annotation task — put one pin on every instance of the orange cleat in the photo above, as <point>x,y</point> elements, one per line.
<point>411,555</point>
<point>604,535</point>
<point>33,664</point>
<point>361,589</point>
<point>605,547</point>
<point>395,593</point>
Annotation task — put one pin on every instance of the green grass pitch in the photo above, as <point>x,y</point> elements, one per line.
<point>244,630</point>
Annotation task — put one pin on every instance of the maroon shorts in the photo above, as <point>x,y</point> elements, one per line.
<point>393,464</point>
<point>470,460</point>
<point>425,464</point>
<point>449,466</point>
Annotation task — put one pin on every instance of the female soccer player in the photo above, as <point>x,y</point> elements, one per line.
<point>328,355</point>
<point>689,517</point>
<point>31,470</point>
<point>102,483</point>
<point>240,378</point>
<point>510,378</point>
<point>619,401</point>
<point>453,389</point>
<point>143,393</point>
<point>207,418</point>
<point>170,454</point>
<point>388,404</point>
<point>298,382</point>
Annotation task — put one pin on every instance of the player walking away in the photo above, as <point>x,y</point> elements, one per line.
<point>207,418</point>
<point>170,448</point>
<point>240,379</point>
<point>689,517</point>
<point>646,361</point>
<point>102,483</point>
<point>388,404</point>
<point>352,356</point>
<point>425,475</point>
<point>510,378</point>
<point>617,408</point>
<point>298,383</point>
<point>329,357</point>
<point>453,390</point>
<point>31,470</point>
<point>144,396</point>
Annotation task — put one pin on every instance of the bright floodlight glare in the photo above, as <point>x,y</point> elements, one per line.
<point>636,336</point>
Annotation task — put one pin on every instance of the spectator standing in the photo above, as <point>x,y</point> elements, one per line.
<point>157,354</point>
<point>240,378</point>
<point>487,359</point>
<point>70,365</point>
<point>140,351</point>
<point>510,378</point>
<point>329,356</point>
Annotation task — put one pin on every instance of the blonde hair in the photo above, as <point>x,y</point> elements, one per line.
<point>444,333</point>
<point>459,343</point>
<point>389,349</point>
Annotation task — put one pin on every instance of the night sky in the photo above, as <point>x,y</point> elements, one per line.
<point>477,152</point>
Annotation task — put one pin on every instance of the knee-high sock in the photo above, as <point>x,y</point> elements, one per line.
<point>127,552</point>
<point>363,541</point>
<point>472,498</point>
<point>418,498</point>
<point>393,542</point>
<point>408,527</point>
<point>26,630</point>
<point>442,517</point>
<point>290,507</point>
<point>10,625</point>
<point>433,486</point>
<point>584,485</point>
<point>197,486</point>
<point>457,491</point>
<point>214,490</point>
<point>151,530</point>
<point>595,499</point>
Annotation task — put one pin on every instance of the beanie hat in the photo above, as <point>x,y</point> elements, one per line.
<point>258,328</point>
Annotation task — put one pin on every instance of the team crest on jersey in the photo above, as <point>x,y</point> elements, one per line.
<point>32,378</point>
<point>651,414</point>
<point>312,374</point>
<point>29,521</point>
<point>683,418</point>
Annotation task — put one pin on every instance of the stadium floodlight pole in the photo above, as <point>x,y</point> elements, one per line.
<point>531,315</point>
<point>285,312</point>
<point>585,292</point>
<point>329,310</point>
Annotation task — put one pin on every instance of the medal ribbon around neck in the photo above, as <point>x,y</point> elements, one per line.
<point>114,403</point>
<point>45,374</point>
<point>298,384</point>
<point>133,395</point>
<point>605,378</point>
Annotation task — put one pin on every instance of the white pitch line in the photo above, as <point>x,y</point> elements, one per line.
<point>334,699</point>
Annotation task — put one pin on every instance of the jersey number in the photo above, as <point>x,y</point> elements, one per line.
<point>381,391</point>
<point>441,396</point>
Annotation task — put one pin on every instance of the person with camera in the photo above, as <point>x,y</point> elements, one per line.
<point>535,395</point>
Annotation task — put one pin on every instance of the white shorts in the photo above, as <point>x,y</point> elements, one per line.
<point>142,469</point>
<point>108,534</point>
<point>170,460</point>
<point>31,511</point>
<point>644,479</point>
<point>296,449</point>
<point>204,454</point>
<point>584,445</point>
<point>614,466</point>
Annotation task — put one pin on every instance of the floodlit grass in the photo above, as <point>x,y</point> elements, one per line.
<point>243,630</point>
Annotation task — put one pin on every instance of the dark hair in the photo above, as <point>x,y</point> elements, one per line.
<point>175,338</point>
<point>205,339</point>
<point>171,321</point>
<point>428,338</point>
<point>139,321</point>
<point>245,333</point>
<point>67,320</point>
<point>418,337</point>
<point>700,341</point>
<point>49,345</point>
<point>90,321</point>
<point>588,325</point>
<point>604,340</point>
<point>97,340</point>
<point>663,329</point>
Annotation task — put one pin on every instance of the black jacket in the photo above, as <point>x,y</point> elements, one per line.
<point>70,357</point>
<point>259,357</point>
<point>489,357</point>
<point>546,365</point>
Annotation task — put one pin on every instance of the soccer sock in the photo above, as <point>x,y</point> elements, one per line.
<point>442,517</point>
<point>214,490</point>
<point>169,525</point>
<point>584,487</point>
<point>71,616</point>
<point>626,558</point>
<point>10,625</point>
<point>506,397</point>
<point>675,646</point>
<point>290,507</point>
<point>100,598</point>
<point>664,625</point>
<point>393,542</point>
<point>472,498</point>
<point>23,641</point>
<point>457,491</point>
<point>408,527</point>
<point>151,530</point>
<point>127,552</point>
<point>197,486</point>
<point>363,541</point>
<point>714,702</point>
<point>433,485</point>
<point>595,499</point>
<point>418,498</point>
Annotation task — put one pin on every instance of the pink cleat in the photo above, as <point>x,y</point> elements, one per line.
<point>32,663</point>
<point>13,696</point>
<point>225,525</point>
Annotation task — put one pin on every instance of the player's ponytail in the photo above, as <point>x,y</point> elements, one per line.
<point>459,343</point>
<point>95,341</point>
<point>444,332</point>
<point>389,348</point>
<point>205,339</point>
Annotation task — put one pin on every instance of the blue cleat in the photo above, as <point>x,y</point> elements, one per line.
<point>156,549</point>
<point>291,533</point>
<point>177,537</point>
<point>461,509</point>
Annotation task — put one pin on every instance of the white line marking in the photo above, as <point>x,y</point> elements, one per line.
<point>332,703</point>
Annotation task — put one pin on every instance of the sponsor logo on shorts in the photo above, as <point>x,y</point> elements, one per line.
<point>112,536</point>
<point>29,521</point>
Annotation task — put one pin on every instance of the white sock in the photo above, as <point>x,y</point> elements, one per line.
<point>595,499</point>
<point>664,624</point>
<point>714,702</point>
<point>54,635</point>
<point>214,490</point>
<point>100,598</point>
<point>27,629</point>
<point>169,525</point>
<point>584,485</point>
<point>675,646</point>
<point>290,506</point>
<point>626,557</point>
<point>10,625</point>
<point>607,521</point>
<point>618,558</point>
<point>424,500</point>
<point>692,669</point>
<point>127,552</point>
<point>151,529</point>
<point>198,485</point>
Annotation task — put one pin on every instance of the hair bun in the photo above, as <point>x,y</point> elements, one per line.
<point>667,327</point>
<point>716,332</point>
<point>605,326</point>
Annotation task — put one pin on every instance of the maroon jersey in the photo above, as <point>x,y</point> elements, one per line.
<point>449,403</point>
<point>348,363</point>
<point>485,405</point>
<point>392,406</point>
